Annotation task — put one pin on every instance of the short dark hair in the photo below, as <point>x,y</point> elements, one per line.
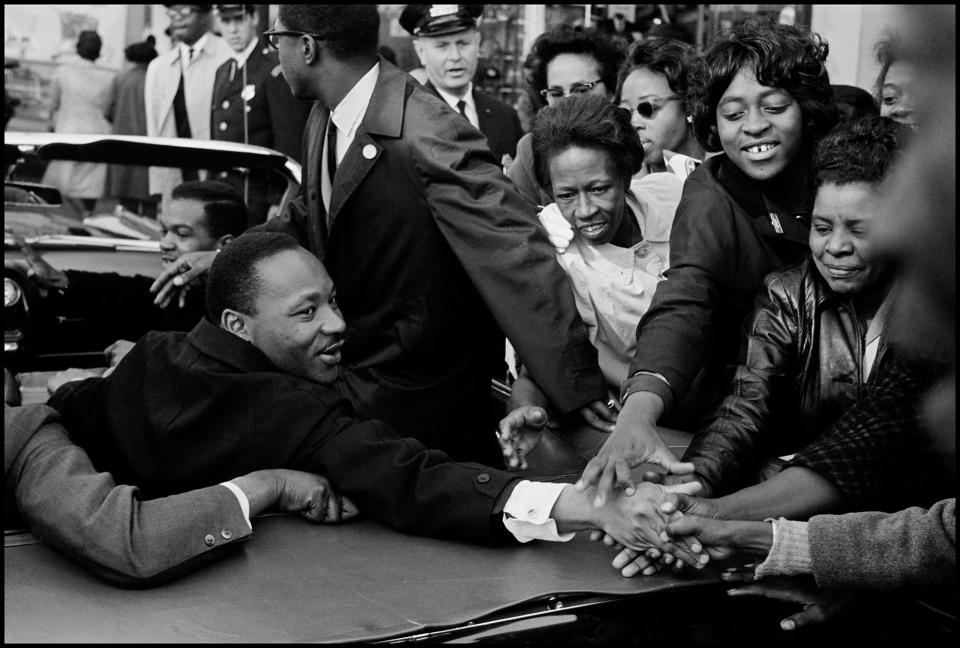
<point>783,56</point>
<point>348,30</point>
<point>89,44</point>
<point>860,150</point>
<point>887,50</point>
<point>664,56</point>
<point>587,121</point>
<point>233,281</point>
<point>564,39</point>
<point>222,205</point>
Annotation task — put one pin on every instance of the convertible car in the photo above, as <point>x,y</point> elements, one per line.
<point>111,240</point>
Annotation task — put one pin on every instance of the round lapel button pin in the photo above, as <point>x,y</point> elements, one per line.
<point>369,151</point>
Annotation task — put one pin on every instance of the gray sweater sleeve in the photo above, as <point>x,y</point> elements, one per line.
<point>884,551</point>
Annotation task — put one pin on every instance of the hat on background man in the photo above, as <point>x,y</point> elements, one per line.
<point>234,10</point>
<point>439,20</point>
<point>200,8</point>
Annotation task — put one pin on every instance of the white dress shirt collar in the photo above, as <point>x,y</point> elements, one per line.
<point>242,56</point>
<point>196,47</point>
<point>470,108</point>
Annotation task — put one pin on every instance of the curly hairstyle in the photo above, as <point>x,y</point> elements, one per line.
<point>564,39</point>
<point>859,150</point>
<point>587,121</point>
<point>665,56</point>
<point>234,279</point>
<point>887,52</point>
<point>348,30</point>
<point>783,57</point>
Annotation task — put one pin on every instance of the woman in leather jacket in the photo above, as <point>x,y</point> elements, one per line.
<point>816,336</point>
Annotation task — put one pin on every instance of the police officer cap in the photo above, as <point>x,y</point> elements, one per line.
<point>438,20</point>
<point>231,11</point>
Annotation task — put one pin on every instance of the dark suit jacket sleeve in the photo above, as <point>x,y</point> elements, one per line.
<point>677,332</point>
<point>396,481</point>
<point>98,297</point>
<point>495,235</point>
<point>729,452</point>
<point>74,508</point>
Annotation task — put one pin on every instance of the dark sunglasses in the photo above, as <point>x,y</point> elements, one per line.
<point>650,107</point>
<point>273,36</point>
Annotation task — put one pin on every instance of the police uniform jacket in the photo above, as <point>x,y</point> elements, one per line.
<point>275,118</point>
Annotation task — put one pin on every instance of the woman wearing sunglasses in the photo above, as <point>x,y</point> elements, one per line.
<point>761,95</point>
<point>586,154</point>
<point>564,61</point>
<point>652,85</point>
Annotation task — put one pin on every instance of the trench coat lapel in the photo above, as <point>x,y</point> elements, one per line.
<point>384,118</point>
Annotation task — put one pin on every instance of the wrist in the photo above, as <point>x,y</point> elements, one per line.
<point>261,488</point>
<point>573,510</point>
<point>750,536</point>
<point>644,406</point>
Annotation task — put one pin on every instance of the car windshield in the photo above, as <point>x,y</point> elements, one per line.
<point>69,185</point>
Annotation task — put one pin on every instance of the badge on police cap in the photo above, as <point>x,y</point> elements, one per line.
<point>439,20</point>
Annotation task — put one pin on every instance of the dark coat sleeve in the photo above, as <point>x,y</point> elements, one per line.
<point>866,452</point>
<point>401,483</point>
<point>81,512</point>
<point>677,333</point>
<point>495,234</point>
<point>729,451</point>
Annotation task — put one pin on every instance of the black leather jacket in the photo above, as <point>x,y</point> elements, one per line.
<point>801,367</point>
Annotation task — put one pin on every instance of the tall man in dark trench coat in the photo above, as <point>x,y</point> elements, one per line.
<point>426,240</point>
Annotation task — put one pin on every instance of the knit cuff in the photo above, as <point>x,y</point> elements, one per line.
<point>790,553</point>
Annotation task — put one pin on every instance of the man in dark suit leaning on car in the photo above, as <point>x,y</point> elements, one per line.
<point>201,216</point>
<point>125,539</point>
<point>256,385</point>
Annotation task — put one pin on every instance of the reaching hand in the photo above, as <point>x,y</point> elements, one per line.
<point>634,440</point>
<point>187,268</point>
<point>819,605</point>
<point>519,433</point>
<point>46,276</point>
<point>312,496</point>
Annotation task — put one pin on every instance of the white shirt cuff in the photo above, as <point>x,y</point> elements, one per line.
<point>527,512</point>
<point>242,499</point>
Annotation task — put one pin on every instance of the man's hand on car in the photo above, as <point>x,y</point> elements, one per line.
<point>295,491</point>
<point>177,276</point>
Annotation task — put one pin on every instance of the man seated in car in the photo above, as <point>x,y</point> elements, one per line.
<point>201,216</point>
<point>257,385</point>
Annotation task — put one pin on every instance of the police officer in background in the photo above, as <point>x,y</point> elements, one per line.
<point>252,103</point>
<point>447,41</point>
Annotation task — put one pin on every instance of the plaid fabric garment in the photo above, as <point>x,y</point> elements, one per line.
<point>864,452</point>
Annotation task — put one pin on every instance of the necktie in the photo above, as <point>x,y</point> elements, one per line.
<point>462,107</point>
<point>332,151</point>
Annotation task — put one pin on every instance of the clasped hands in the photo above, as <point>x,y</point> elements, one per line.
<point>633,517</point>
